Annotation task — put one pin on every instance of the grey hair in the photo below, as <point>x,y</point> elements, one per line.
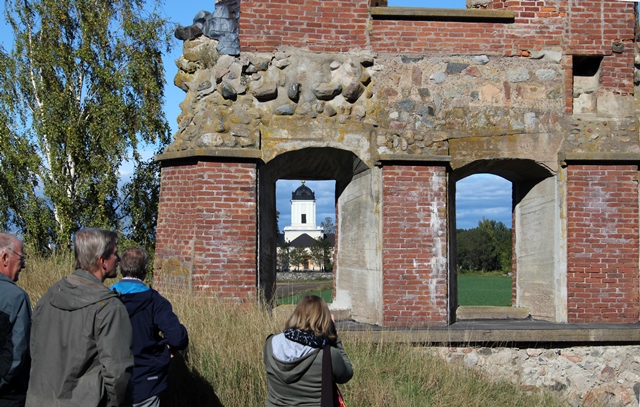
<point>91,244</point>
<point>133,262</point>
<point>8,241</point>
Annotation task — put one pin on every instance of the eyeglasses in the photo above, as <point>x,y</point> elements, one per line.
<point>23,257</point>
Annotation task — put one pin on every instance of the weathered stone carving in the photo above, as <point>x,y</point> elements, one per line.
<point>221,25</point>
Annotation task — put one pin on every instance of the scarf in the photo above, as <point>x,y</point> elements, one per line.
<point>307,338</point>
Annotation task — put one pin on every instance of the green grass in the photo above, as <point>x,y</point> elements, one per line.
<point>223,365</point>
<point>475,289</point>
<point>293,299</point>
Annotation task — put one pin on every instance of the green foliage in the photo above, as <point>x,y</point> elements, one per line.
<point>140,204</point>
<point>297,256</point>
<point>282,258</point>
<point>485,248</point>
<point>484,290</point>
<point>82,90</point>
<point>321,253</point>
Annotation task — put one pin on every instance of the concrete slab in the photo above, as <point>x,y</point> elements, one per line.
<point>466,313</point>
<point>498,332</point>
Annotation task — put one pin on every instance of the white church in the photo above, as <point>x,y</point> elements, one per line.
<point>303,230</point>
<point>303,215</point>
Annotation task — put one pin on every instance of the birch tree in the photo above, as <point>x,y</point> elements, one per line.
<point>83,87</point>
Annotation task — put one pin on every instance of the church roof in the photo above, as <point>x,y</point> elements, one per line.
<point>303,193</point>
<point>304,240</point>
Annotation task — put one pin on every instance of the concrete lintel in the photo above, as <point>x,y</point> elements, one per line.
<point>210,152</point>
<point>447,14</point>
<point>598,156</point>
<point>382,158</point>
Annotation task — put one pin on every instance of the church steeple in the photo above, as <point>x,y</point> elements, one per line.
<point>303,214</point>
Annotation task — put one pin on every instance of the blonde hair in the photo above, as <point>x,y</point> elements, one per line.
<point>312,314</point>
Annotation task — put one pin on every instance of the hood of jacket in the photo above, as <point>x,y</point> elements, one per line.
<point>287,359</point>
<point>135,295</point>
<point>79,290</point>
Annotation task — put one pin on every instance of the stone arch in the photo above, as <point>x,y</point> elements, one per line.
<point>539,259</point>
<point>358,268</point>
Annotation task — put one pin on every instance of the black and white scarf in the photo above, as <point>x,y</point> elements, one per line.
<point>307,338</point>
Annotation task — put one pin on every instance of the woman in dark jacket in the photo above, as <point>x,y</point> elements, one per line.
<point>294,361</point>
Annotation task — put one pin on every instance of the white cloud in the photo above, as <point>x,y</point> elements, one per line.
<point>482,195</point>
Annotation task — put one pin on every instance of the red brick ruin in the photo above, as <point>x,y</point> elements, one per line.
<point>538,92</point>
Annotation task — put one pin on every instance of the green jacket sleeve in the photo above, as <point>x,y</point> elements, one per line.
<point>342,369</point>
<point>114,343</point>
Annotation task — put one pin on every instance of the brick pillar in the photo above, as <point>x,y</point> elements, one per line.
<point>414,245</point>
<point>206,239</point>
<point>602,243</point>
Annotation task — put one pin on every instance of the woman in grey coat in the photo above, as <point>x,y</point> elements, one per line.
<point>293,358</point>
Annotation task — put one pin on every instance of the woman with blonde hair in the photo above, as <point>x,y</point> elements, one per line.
<point>294,358</point>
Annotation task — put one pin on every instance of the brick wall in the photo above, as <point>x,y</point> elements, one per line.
<point>585,27</point>
<point>592,27</point>
<point>207,229</point>
<point>602,243</point>
<point>316,25</point>
<point>414,256</point>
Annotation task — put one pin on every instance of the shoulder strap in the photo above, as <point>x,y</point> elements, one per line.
<point>326,397</point>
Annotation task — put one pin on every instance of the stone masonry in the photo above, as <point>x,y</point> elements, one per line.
<point>582,375</point>
<point>396,105</point>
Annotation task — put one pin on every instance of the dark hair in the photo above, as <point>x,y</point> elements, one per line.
<point>92,244</point>
<point>133,262</point>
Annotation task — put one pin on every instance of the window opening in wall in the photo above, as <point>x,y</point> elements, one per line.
<point>484,241</point>
<point>586,81</point>
<point>306,247</point>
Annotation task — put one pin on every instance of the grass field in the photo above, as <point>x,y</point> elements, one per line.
<point>473,289</point>
<point>293,299</point>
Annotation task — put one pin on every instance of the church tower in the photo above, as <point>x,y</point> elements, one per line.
<point>303,215</point>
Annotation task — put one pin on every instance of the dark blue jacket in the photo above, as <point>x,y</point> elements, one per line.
<point>151,314</point>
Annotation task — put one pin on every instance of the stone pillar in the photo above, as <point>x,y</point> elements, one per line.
<point>207,229</point>
<point>414,245</point>
<point>602,243</point>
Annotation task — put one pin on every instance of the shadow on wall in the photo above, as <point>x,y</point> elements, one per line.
<point>187,387</point>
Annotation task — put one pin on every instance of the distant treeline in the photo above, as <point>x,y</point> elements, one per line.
<point>484,248</point>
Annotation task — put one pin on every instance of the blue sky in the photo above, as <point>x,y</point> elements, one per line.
<point>477,196</point>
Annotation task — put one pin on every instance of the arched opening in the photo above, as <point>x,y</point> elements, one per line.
<point>484,240</point>
<point>306,238</point>
<point>538,268</point>
<point>357,267</point>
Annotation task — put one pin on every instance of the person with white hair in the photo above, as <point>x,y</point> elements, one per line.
<point>15,324</point>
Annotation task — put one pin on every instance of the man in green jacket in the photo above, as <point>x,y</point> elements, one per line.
<point>81,334</point>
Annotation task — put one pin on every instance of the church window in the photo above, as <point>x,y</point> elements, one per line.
<point>304,218</point>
